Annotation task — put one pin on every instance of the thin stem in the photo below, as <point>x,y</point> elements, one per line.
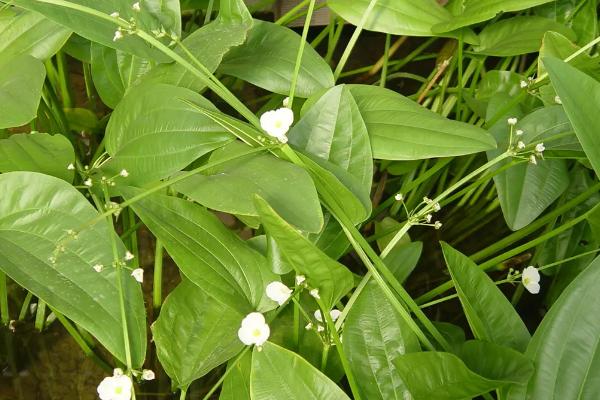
<point>40,315</point>
<point>182,393</point>
<point>4,315</point>
<point>311,8</point>
<point>209,9</point>
<point>227,372</point>
<point>285,18</point>
<point>353,40</point>
<point>25,306</point>
<point>386,56</point>
<point>158,268</point>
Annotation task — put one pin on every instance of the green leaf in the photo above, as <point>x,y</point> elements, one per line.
<point>403,259</point>
<point>195,333</point>
<point>101,29</point>
<point>114,71</point>
<point>333,129</point>
<point>27,32</point>
<point>398,17</point>
<point>268,57</point>
<point>21,81</point>
<point>206,252</point>
<point>517,35</point>
<point>475,11</point>
<point>551,126</point>
<point>374,336</point>
<point>400,129</point>
<point>154,132</point>
<point>481,368</point>
<point>279,373</point>
<point>564,347</point>
<point>208,44</point>
<point>35,213</point>
<point>490,314</point>
<point>557,46</point>
<point>580,16</point>
<point>37,152</point>
<point>236,385</point>
<point>231,187</point>
<point>332,279</point>
<point>580,96</point>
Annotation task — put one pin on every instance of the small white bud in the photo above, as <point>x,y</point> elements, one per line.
<point>437,207</point>
<point>512,121</point>
<point>399,197</point>
<point>428,218</point>
<point>286,102</point>
<point>427,200</point>
<point>300,279</point>
<point>70,167</point>
<point>308,326</point>
<point>539,148</point>
<point>519,132</point>
<point>33,308</point>
<point>520,145</point>
<point>98,267</point>
<point>118,35</point>
<point>320,328</point>
<point>12,325</point>
<point>138,274</point>
<point>437,225</point>
<point>557,100</point>
<point>315,293</point>
<point>136,6</point>
<point>117,372</point>
<point>124,173</point>
<point>148,375</point>
<point>532,159</point>
<point>114,14</point>
<point>88,182</point>
<point>523,84</point>
<point>128,256</point>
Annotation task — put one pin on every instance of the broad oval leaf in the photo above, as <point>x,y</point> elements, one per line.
<point>37,152</point>
<point>374,336</point>
<point>580,96</point>
<point>490,314</point>
<point>154,132</point>
<point>474,11</point>
<point>268,57</point>
<point>80,16</point>
<point>564,347</point>
<point>27,32</point>
<point>400,129</point>
<point>35,213</point>
<point>207,253</point>
<point>236,385</point>
<point>398,17</point>
<point>21,81</point>
<point>332,279</point>
<point>195,333</point>
<point>518,35</point>
<point>332,129</point>
<point>231,187</point>
<point>279,373</point>
<point>444,376</point>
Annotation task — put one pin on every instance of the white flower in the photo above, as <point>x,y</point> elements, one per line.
<point>128,256</point>
<point>428,218</point>
<point>320,328</point>
<point>437,225</point>
<point>335,314</point>
<point>88,182</point>
<point>437,207</point>
<point>286,102</point>
<point>114,14</point>
<point>117,372</point>
<point>136,6</point>
<point>116,387</point>
<point>308,326</point>
<point>254,330</point>
<point>277,122</point>
<point>532,159</point>
<point>278,292</point>
<point>539,148</point>
<point>98,267</point>
<point>315,293</point>
<point>523,84</point>
<point>300,279</point>
<point>118,35</point>
<point>531,279</point>
<point>520,145</point>
<point>519,132</point>
<point>557,100</point>
<point>138,274</point>
<point>399,197</point>
<point>124,173</point>
<point>70,167</point>
<point>427,200</point>
<point>148,375</point>
<point>512,121</point>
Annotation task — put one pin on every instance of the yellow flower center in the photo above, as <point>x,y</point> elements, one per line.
<point>256,332</point>
<point>118,390</point>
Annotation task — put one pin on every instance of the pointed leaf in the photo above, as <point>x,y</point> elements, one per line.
<point>35,213</point>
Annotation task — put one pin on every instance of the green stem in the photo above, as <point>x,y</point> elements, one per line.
<point>460,78</point>
<point>63,79</point>
<point>158,268</point>
<point>182,393</point>
<point>353,40</point>
<point>4,315</point>
<point>230,368</point>
<point>311,8</point>
<point>386,56</point>
<point>209,9</point>
<point>324,356</point>
<point>285,18</point>
<point>40,315</point>
<point>25,306</point>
